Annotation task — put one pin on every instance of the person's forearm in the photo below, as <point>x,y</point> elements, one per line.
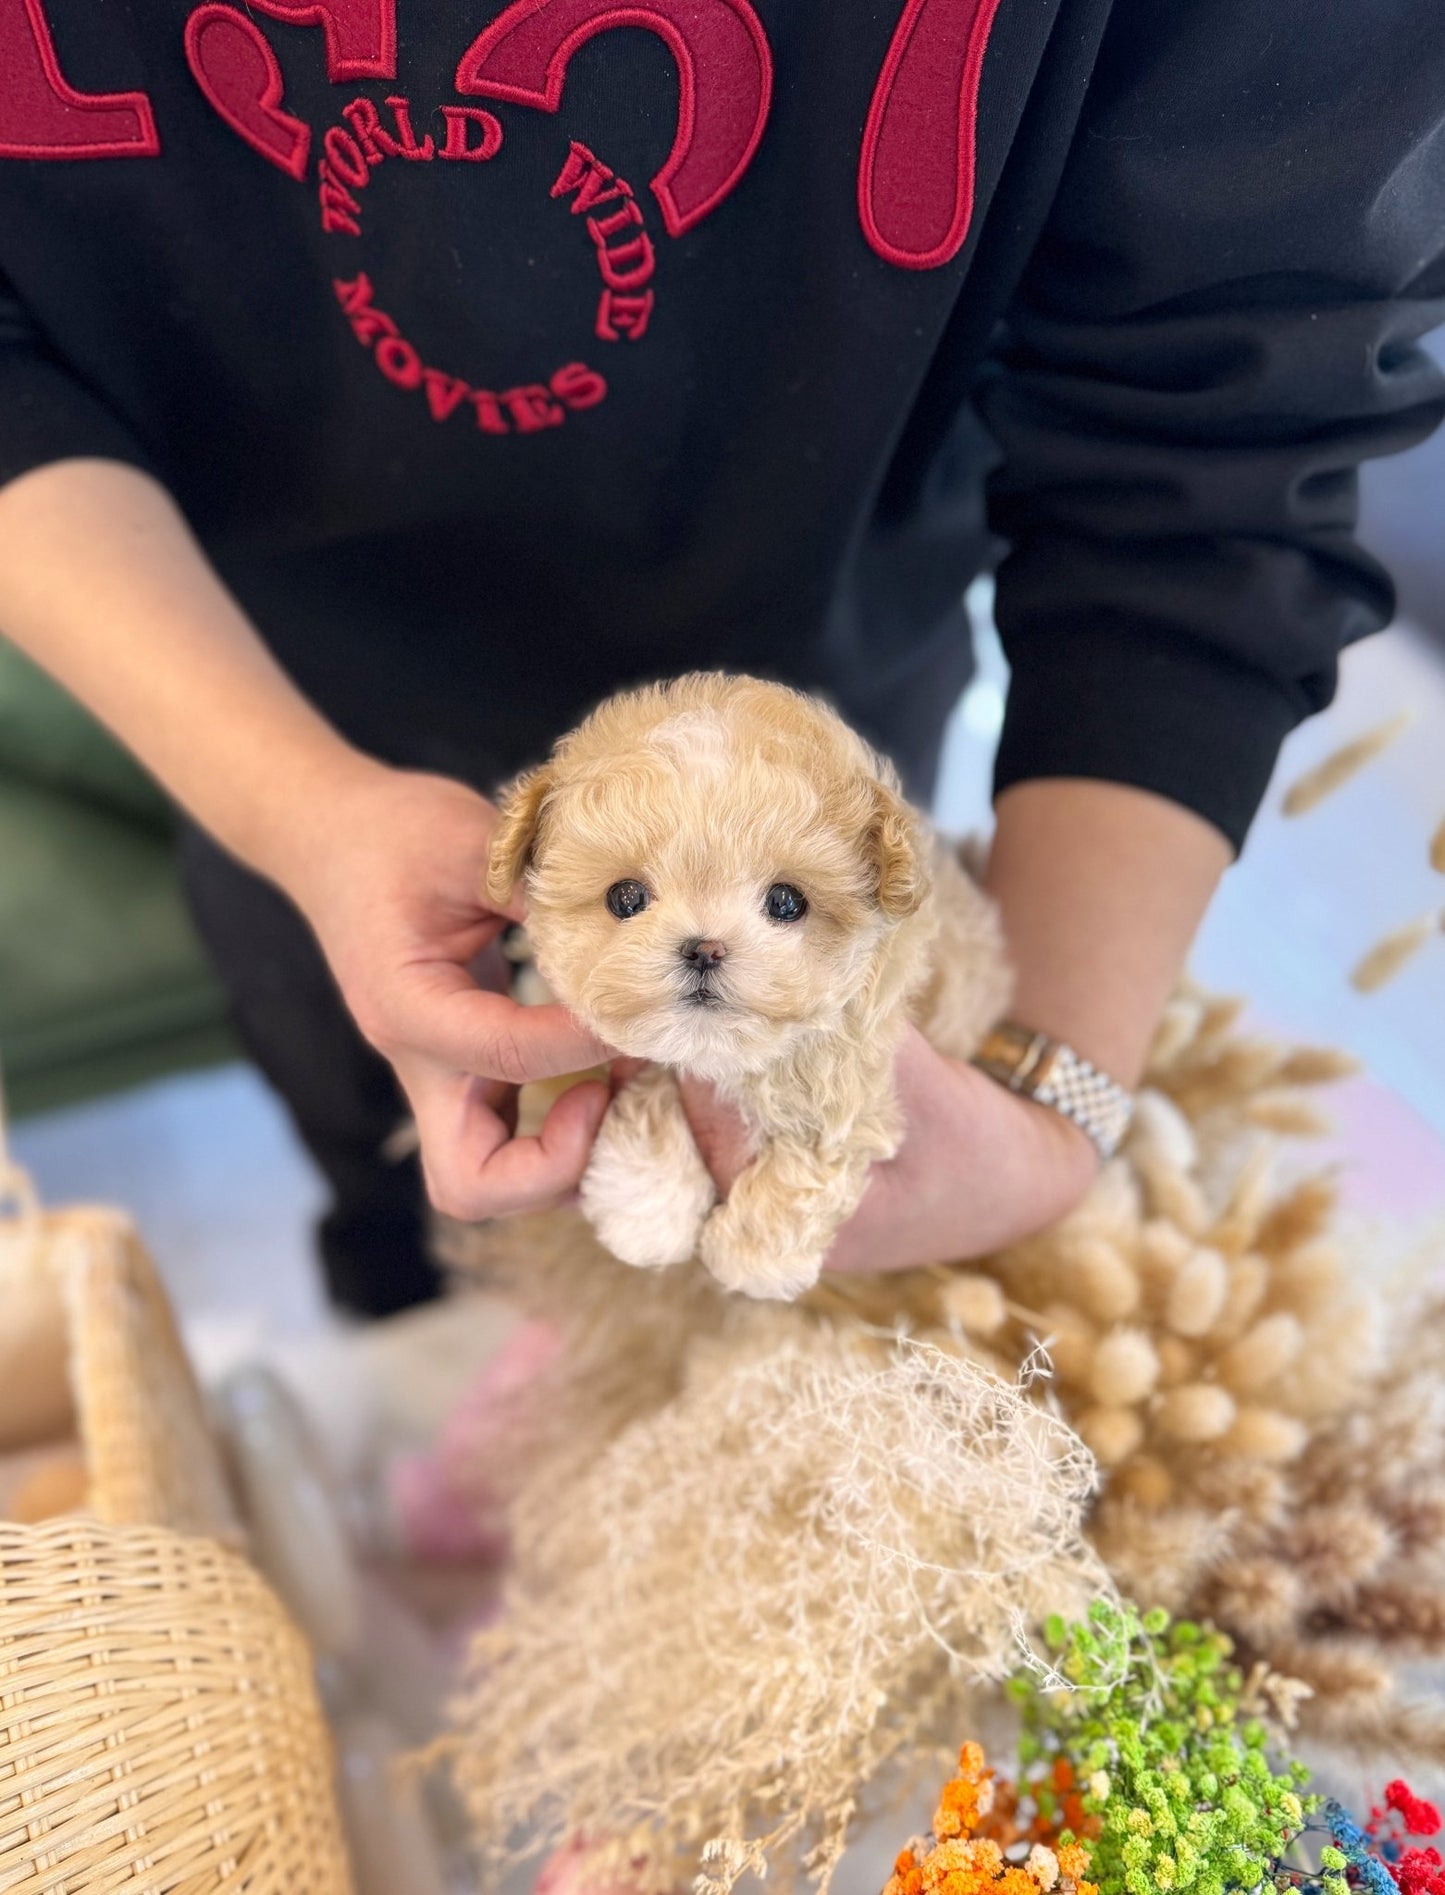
<point>102,583</point>
<point>1101,888</point>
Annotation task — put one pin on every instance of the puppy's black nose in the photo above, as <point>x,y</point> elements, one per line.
<point>703,954</point>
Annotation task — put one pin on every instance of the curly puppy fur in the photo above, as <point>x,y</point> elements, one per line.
<point>708,792</point>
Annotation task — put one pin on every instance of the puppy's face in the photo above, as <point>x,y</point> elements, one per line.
<point>711,868</point>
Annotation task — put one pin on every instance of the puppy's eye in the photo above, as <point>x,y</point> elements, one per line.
<point>785,903</point>
<point>625,899</point>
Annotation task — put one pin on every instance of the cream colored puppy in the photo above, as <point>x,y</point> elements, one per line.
<point>723,879</point>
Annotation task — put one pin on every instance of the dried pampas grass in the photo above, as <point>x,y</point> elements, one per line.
<point>758,1594</point>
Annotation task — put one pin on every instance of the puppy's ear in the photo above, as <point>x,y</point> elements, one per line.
<point>521,807</point>
<point>899,852</point>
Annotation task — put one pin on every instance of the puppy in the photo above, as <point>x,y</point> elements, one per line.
<point>723,879</point>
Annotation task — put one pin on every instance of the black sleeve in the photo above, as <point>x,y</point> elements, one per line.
<point>47,413</point>
<point>1221,321</point>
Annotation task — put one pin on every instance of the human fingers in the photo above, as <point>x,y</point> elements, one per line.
<point>475,1169</point>
<point>443,1016</point>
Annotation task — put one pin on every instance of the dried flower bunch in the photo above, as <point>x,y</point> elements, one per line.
<point>1144,1767</point>
<point>758,1594</point>
<point>965,1853</point>
<point>1179,1791</point>
<point>1335,1855</point>
<point>1272,1450</point>
<point>1342,1582</point>
<point>1270,1455</point>
<point>1199,1322</point>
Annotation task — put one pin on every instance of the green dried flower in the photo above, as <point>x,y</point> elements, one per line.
<point>1183,1792</point>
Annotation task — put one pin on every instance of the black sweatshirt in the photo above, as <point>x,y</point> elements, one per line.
<point>498,361</point>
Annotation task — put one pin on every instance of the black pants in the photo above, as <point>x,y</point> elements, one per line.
<point>342,1097</point>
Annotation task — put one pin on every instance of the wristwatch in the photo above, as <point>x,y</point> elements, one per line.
<point>1055,1075</point>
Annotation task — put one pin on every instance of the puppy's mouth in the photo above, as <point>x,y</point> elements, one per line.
<point>704,991</point>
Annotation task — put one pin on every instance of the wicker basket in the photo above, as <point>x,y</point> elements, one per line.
<point>160,1732</point>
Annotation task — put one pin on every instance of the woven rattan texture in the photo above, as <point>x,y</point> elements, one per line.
<point>159,1729</point>
<point>151,1455</point>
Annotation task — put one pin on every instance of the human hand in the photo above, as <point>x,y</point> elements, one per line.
<point>979,1167</point>
<point>389,876</point>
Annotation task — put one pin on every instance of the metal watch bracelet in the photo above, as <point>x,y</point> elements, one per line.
<point>1054,1075</point>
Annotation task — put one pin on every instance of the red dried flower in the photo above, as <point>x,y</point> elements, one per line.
<point>1419,1817</point>
<point>1420,1872</point>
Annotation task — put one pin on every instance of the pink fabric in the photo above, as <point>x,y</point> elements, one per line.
<point>442,1513</point>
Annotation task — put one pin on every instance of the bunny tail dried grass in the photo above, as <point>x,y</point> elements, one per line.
<point>1337,769</point>
<point>721,1630</point>
<point>1386,959</point>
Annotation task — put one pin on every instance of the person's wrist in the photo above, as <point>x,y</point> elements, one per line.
<point>324,791</point>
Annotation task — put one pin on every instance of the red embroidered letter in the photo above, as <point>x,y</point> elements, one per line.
<point>353,295</point>
<point>404,145</point>
<point>339,209</point>
<point>42,116</point>
<point>458,117</point>
<point>600,229</point>
<point>725,72</point>
<point>579,386</point>
<point>377,143</point>
<point>399,361</point>
<point>916,169</point>
<point>489,414</point>
<point>444,393</point>
<point>532,408</point>
<point>236,69</point>
<point>361,116</point>
<point>594,182</point>
<point>638,253</point>
<point>346,159</point>
<point>360,34</point>
<point>367,321</point>
<point>620,315</point>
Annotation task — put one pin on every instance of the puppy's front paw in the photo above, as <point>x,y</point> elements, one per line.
<point>648,1223</point>
<point>746,1257</point>
<point>646,1190</point>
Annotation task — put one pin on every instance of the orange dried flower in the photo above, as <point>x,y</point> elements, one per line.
<point>978,1818</point>
<point>967,1798</point>
<point>1017,1882</point>
<point>907,1877</point>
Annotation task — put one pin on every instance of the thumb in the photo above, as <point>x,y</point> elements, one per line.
<point>570,1127</point>
<point>451,1020</point>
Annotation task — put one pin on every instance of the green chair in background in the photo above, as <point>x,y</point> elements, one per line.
<point>103,983</point>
